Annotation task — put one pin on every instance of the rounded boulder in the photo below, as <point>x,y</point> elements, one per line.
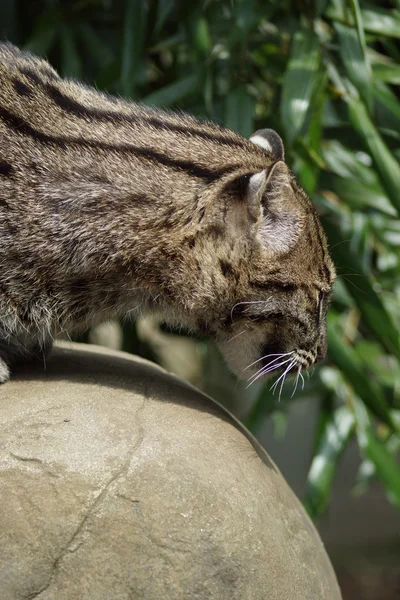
<point>118,481</point>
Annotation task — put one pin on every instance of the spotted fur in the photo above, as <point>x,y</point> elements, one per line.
<point>108,208</point>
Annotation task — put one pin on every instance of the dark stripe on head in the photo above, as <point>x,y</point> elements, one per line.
<point>80,111</point>
<point>21,88</point>
<point>324,272</point>
<point>226,268</point>
<point>20,126</point>
<point>6,170</point>
<point>31,74</point>
<point>275,286</point>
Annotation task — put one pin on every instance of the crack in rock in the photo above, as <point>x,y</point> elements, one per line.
<point>69,547</point>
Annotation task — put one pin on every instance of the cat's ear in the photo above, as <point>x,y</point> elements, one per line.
<point>264,207</point>
<point>248,192</point>
<point>270,141</point>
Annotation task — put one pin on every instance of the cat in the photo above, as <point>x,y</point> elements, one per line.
<point>108,207</point>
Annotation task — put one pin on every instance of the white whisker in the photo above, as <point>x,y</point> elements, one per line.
<point>268,356</point>
<point>302,379</point>
<point>249,302</point>
<point>296,382</point>
<point>235,336</point>
<point>266,370</point>
<point>282,377</point>
<point>273,364</point>
<point>283,380</point>
<point>273,386</point>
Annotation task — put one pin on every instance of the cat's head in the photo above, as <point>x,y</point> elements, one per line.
<point>277,268</point>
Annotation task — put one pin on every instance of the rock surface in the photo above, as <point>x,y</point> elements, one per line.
<point>118,481</point>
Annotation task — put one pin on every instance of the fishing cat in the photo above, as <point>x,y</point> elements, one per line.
<point>108,207</point>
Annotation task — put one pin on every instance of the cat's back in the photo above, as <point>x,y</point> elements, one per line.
<point>51,112</point>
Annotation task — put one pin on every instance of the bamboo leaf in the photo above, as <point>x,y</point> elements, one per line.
<point>71,64</point>
<point>240,111</point>
<point>173,93</point>
<point>201,39</point>
<point>384,462</point>
<point>95,48</point>
<point>164,8</point>
<point>355,8</point>
<point>335,435</point>
<point>348,362</point>
<point>355,60</point>
<point>361,288</point>
<point>299,81</point>
<point>132,47</point>
<point>44,33</point>
<point>8,20</point>
<point>387,72</point>
<point>388,167</point>
<point>377,20</point>
<point>388,107</point>
<point>381,21</point>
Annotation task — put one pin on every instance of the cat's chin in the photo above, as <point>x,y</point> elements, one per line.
<point>241,358</point>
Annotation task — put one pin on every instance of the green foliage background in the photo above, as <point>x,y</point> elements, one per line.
<point>325,75</point>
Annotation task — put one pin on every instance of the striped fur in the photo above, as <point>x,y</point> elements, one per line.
<point>109,208</point>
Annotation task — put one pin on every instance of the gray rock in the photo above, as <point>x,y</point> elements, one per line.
<point>119,481</point>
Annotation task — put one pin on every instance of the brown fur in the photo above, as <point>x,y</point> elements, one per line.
<point>108,208</point>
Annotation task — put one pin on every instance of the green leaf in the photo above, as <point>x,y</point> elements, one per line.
<point>384,462</point>
<point>202,40</point>
<point>383,366</point>
<point>44,33</point>
<point>357,183</point>
<point>8,20</point>
<point>95,48</point>
<point>388,167</point>
<point>310,147</point>
<point>132,46</point>
<point>240,111</point>
<point>381,21</point>
<point>71,64</point>
<point>164,8</point>
<point>345,163</point>
<point>387,72</point>
<point>359,195</point>
<point>355,8</point>
<point>173,93</point>
<point>388,107</point>
<point>300,79</point>
<point>348,362</point>
<point>355,61</point>
<point>365,475</point>
<point>361,287</point>
<point>335,435</point>
<point>375,20</point>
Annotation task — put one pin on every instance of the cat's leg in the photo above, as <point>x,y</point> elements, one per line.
<point>14,352</point>
<point>4,371</point>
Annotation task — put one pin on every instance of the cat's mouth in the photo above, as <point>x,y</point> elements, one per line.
<point>282,364</point>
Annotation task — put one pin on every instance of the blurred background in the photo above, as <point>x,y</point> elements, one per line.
<point>325,75</point>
